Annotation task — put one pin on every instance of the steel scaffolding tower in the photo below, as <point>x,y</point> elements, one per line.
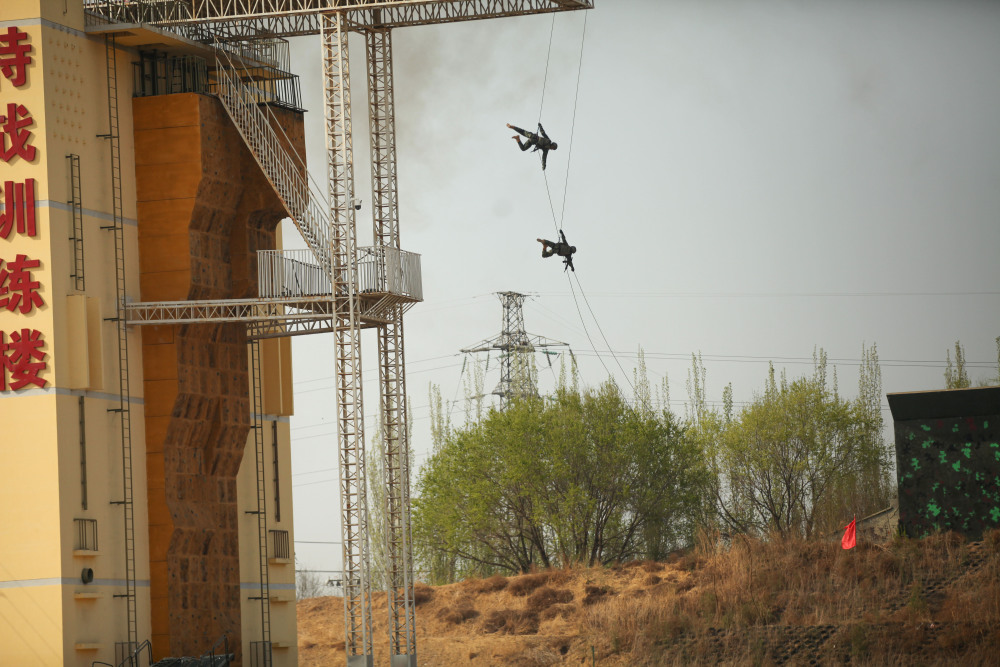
<point>364,287</point>
<point>517,348</point>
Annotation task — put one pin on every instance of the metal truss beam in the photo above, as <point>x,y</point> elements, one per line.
<point>233,310</point>
<point>290,18</point>
<point>392,367</point>
<point>347,341</point>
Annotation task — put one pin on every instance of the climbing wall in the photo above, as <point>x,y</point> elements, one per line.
<point>204,208</point>
<point>948,460</point>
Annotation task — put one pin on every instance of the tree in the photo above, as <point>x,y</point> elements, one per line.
<point>579,477</point>
<point>795,452</point>
<point>956,377</point>
<point>308,584</point>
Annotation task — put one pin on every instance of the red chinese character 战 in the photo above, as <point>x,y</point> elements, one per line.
<point>19,208</point>
<point>12,127</point>
<point>14,57</point>
<point>22,358</point>
<point>17,290</point>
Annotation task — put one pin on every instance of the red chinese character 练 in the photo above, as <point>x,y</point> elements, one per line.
<point>17,290</point>
<point>11,126</point>
<point>22,358</point>
<point>14,57</point>
<point>18,207</point>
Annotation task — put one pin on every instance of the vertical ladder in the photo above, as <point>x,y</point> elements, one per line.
<point>347,343</point>
<point>123,380</point>
<point>76,210</point>
<point>392,373</point>
<point>256,408</point>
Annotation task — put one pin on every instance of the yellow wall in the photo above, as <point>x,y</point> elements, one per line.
<point>281,572</point>
<point>47,615</point>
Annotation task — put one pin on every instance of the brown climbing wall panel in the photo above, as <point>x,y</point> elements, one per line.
<point>204,209</point>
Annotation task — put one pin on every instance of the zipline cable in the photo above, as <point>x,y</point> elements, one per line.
<point>572,127</point>
<point>601,330</point>
<point>558,220</point>
<point>594,347</point>
<point>548,57</point>
<point>613,355</point>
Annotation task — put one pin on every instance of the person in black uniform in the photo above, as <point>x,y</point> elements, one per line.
<point>561,248</point>
<point>539,141</point>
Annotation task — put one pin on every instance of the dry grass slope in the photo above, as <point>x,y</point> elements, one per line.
<point>931,602</point>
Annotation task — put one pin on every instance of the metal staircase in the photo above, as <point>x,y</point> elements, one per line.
<point>302,201</point>
<point>256,409</point>
<point>123,408</point>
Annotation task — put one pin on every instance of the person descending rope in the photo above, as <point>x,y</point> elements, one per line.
<point>562,248</point>
<point>540,141</point>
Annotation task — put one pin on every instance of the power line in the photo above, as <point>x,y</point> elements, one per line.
<point>754,295</point>
<point>845,361</point>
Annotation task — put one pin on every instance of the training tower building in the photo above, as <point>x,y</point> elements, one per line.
<point>148,151</point>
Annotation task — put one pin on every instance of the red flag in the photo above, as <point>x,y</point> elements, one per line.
<point>849,540</point>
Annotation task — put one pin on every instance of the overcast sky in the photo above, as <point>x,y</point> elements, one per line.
<point>745,179</point>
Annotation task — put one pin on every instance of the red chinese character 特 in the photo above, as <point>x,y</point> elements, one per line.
<point>22,358</point>
<point>17,290</point>
<point>12,127</point>
<point>14,57</point>
<point>19,208</point>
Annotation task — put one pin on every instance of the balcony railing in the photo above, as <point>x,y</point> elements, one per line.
<point>386,270</point>
<point>381,270</point>
<point>290,273</point>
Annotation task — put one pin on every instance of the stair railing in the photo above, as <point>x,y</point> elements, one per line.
<point>301,199</point>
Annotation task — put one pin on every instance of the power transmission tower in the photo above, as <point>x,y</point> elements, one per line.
<point>517,348</point>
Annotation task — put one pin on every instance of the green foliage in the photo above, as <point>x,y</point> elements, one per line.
<point>578,478</point>
<point>797,457</point>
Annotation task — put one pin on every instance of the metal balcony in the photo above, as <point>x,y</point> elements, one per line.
<point>382,271</point>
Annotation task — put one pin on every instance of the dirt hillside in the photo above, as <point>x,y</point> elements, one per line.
<point>930,602</point>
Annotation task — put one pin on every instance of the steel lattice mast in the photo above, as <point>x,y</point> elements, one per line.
<point>347,343</point>
<point>345,311</point>
<point>392,376</point>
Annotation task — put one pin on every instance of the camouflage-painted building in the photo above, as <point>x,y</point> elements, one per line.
<point>948,460</point>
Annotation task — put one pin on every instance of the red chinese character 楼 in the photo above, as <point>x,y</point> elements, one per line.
<point>18,207</point>
<point>17,289</point>
<point>11,126</point>
<point>22,358</point>
<point>14,57</point>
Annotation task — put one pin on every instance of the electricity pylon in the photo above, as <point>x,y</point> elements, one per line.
<point>517,348</point>
<point>235,21</point>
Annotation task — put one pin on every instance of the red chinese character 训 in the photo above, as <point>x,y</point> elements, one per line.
<point>12,127</point>
<point>14,58</point>
<point>17,290</point>
<point>22,358</point>
<point>18,212</point>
